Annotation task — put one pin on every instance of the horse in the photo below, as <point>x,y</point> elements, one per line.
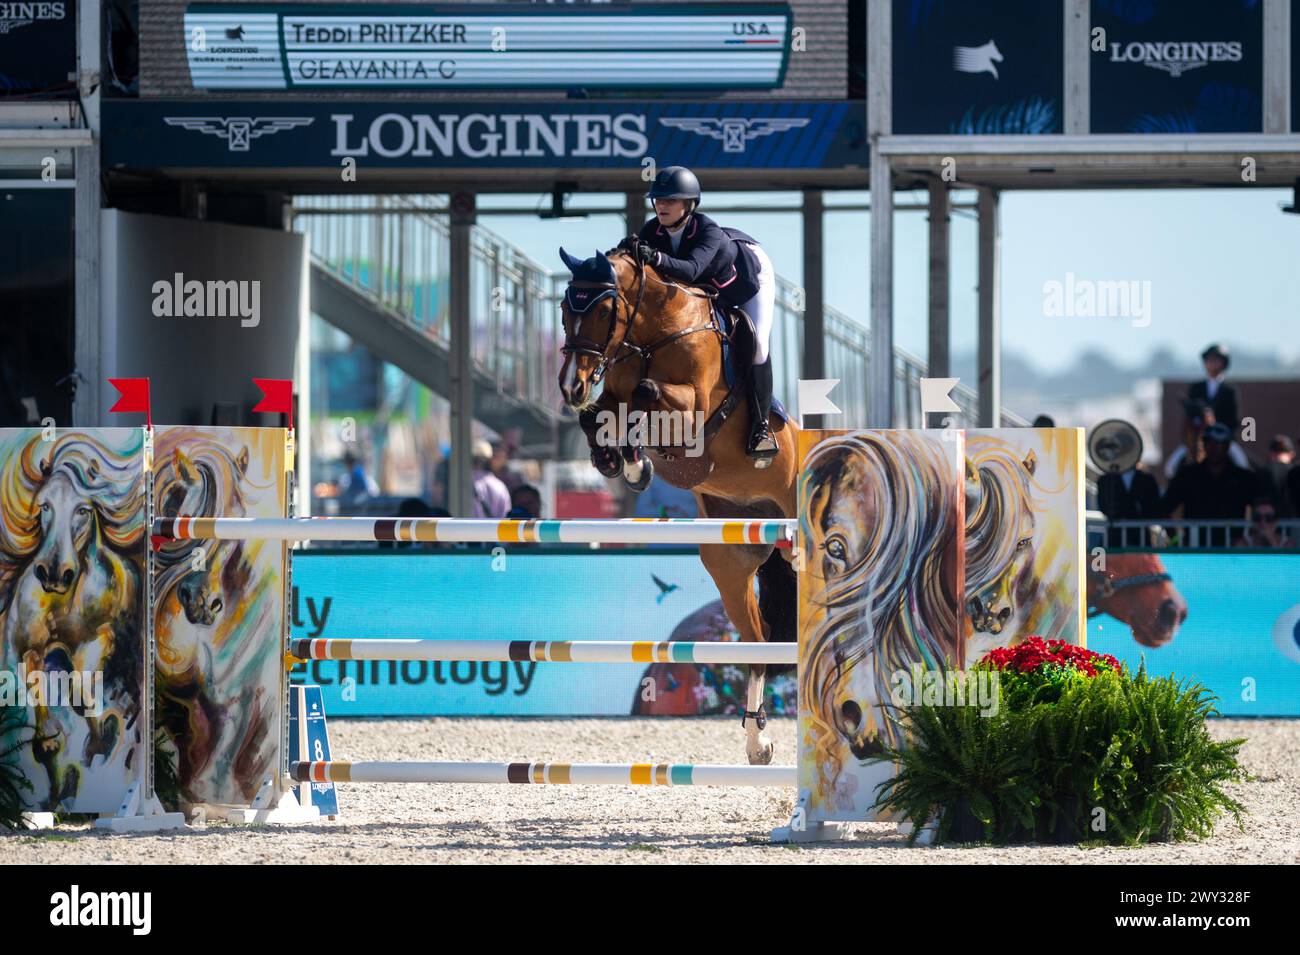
<point>653,345</point>
<point>202,603</point>
<point>999,542</point>
<point>71,556</point>
<point>1137,590</point>
<point>884,575</point>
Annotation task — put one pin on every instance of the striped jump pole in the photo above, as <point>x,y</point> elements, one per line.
<point>547,651</point>
<point>554,774</point>
<point>687,531</point>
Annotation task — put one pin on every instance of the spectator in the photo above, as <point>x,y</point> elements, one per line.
<point>1131,495</point>
<point>1263,530</point>
<point>1211,490</point>
<point>355,485</point>
<point>491,498</point>
<point>500,466</point>
<point>1214,391</point>
<point>1273,476</point>
<point>525,503</point>
<point>1043,421</point>
<point>1200,416</point>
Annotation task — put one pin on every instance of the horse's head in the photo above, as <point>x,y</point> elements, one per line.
<point>878,523</point>
<point>204,594</point>
<point>591,313</point>
<point>68,524</point>
<point>1137,590</point>
<point>999,538</point>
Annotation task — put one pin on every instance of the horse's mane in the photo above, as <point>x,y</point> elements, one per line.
<point>891,603</point>
<point>991,523</point>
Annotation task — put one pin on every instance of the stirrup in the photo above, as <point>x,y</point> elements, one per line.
<point>759,717</point>
<point>762,446</point>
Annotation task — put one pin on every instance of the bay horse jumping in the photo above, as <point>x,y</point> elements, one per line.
<point>654,346</point>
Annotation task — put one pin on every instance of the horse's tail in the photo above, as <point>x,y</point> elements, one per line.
<point>778,599</point>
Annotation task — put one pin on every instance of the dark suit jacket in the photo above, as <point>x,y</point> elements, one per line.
<point>708,254</point>
<point>1224,403</point>
<point>1140,501</point>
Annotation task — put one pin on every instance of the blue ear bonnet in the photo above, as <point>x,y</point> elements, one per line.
<point>598,270</point>
<point>580,299</point>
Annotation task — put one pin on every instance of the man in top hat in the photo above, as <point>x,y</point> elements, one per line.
<point>1214,391</point>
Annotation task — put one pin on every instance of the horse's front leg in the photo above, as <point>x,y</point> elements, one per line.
<point>666,418</point>
<point>601,439</point>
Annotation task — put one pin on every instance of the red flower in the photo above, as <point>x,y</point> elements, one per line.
<point>1033,653</point>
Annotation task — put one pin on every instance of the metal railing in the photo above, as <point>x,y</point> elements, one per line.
<point>395,251</point>
<point>1170,534</point>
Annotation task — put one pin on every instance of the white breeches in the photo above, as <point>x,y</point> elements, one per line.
<point>762,307</point>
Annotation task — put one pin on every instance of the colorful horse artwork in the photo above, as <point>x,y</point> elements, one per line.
<point>72,542</point>
<point>881,524</point>
<point>211,600</point>
<point>1022,538</point>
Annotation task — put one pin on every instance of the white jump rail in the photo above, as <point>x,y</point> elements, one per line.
<point>547,651</point>
<point>686,531</point>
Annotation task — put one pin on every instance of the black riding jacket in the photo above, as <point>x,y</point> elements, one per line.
<point>707,254</point>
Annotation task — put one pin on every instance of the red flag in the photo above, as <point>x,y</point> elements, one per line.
<point>277,396</point>
<point>134,397</point>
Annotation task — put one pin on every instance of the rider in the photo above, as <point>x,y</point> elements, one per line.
<point>688,246</point>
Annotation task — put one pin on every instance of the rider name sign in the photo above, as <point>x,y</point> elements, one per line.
<point>497,46</point>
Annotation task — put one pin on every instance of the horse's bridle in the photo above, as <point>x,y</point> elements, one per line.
<point>1111,586</point>
<point>625,349</point>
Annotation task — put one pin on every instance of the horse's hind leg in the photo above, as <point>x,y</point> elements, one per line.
<point>732,568</point>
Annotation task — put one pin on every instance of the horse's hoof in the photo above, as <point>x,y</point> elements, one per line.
<point>643,482</point>
<point>763,755</point>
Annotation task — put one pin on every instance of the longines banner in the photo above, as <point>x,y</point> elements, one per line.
<point>1169,66</point>
<point>38,47</point>
<point>488,46</point>
<point>570,134</point>
<point>981,67</point>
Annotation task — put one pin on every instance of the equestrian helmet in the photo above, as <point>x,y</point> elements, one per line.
<point>675,182</point>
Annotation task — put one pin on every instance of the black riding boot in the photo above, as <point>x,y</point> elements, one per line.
<point>762,445</point>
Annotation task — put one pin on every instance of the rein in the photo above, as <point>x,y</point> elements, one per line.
<point>625,349</point>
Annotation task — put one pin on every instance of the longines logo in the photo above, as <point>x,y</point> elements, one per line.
<point>482,135</point>
<point>15,15</point>
<point>1176,58</point>
<point>734,131</point>
<point>977,59</point>
<point>238,131</point>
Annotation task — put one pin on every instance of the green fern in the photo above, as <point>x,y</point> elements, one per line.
<point>1135,747</point>
<point>13,783</point>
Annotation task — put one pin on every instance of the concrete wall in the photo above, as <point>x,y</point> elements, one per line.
<point>195,362</point>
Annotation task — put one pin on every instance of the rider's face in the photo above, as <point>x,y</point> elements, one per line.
<point>669,210</point>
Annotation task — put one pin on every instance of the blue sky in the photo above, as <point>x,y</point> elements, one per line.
<point>1223,264</point>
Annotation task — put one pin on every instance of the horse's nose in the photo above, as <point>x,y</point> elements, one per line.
<point>1170,615</point>
<point>575,394</point>
<point>852,714</point>
<point>54,581</point>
